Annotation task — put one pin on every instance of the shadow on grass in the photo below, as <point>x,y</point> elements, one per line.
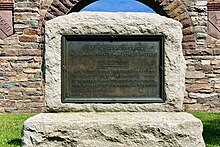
<point>16,142</point>
<point>211,132</point>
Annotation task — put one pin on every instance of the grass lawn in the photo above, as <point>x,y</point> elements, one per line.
<point>11,125</point>
<point>10,129</point>
<point>211,126</point>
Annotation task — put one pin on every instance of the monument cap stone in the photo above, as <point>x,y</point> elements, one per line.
<point>87,23</point>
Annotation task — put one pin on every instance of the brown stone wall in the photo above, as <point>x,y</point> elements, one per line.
<point>21,82</point>
<point>203,64</point>
<point>21,77</point>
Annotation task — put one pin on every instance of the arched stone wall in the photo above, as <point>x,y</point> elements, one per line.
<point>171,8</point>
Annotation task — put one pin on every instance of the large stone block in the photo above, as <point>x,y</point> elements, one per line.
<point>116,129</point>
<point>115,24</point>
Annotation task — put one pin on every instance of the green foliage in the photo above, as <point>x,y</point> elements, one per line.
<point>211,126</point>
<point>10,129</point>
<point>11,126</point>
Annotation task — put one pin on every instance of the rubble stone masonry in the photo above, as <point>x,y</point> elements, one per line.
<point>21,82</point>
<point>21,54</point>
<point>203,64</point>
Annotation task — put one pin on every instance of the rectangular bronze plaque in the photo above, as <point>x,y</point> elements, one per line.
<point>112,69</point>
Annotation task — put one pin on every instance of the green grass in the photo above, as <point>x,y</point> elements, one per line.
<point>10,129</point>
<point>11,126</point>
<point>211,126</point>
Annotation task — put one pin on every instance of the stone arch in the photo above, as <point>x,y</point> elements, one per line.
<point>170,8</point>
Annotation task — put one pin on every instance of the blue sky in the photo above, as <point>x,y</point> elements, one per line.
<point>118,6</point>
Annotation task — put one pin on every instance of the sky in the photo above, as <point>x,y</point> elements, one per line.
<point>118,6</point>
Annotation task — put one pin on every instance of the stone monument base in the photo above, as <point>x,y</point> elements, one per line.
<point>113,129</point>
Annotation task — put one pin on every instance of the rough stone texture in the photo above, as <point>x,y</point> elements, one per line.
<point>115,23</point>
<point>118,129</point>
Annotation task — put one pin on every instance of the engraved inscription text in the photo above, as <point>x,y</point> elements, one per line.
<point>113,69</point>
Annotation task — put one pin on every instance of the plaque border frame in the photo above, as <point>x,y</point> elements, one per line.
<point>66,99</point>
